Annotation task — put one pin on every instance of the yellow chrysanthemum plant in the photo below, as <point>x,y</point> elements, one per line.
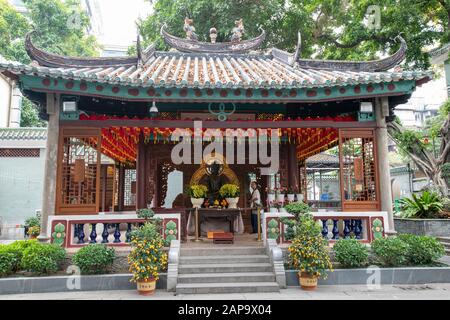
<point>198,191</point>
<point>147,258</point>
<point>309,253</point>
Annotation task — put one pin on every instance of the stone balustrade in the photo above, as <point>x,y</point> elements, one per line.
<point>111,229</point>
<point>364,226</point>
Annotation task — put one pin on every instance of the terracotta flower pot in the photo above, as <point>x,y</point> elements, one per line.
<point>308,281</point>
<point>146,287</point>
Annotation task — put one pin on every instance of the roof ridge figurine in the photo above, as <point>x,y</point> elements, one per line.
<point>237,31</point>
<point>190,29</point>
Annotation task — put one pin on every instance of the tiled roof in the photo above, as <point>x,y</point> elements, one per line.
<point>23,133</point>
<point>174,69</point>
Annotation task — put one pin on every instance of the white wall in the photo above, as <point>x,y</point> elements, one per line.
<point>5,96</point>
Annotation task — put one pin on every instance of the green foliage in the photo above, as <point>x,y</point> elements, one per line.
<point>55,33</point>
<point>229,191</point>
<point>32,222</point>
<point>150,230</point>
<point>351,253</point>
<point>197,191</point>
<point>308,251</point>
<point>390,251</point>
<point>42,258</point>
<point>422,250</point>
<point>94,259</point>
<point>427,205</point>
<point>337,27</point>
<point>446,171</point>
<point>297,208</point>
<point>146,214</point>
<point>8,260</point>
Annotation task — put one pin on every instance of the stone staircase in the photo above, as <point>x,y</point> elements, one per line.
<point>225,270</point>
<point>446,243</point>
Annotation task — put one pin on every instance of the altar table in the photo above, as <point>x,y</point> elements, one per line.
<point>211,219</point>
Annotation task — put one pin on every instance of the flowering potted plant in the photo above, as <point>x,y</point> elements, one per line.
<point>198,193</point>
<point>308,252</point>
<point>34,232</point>
<point>231,194</point>
<point>270,195</point>
<point>147,257</point>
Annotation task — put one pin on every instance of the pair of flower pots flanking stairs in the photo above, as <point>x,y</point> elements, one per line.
<point>225,270</point>
<point>446,243</point>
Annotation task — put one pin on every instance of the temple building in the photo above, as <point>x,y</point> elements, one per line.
<point>114,122</point>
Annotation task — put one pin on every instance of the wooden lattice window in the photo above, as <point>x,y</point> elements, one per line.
<point>359,176</point>
<point>79,172</point>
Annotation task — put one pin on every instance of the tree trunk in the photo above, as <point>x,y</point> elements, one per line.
<point>423,159</point>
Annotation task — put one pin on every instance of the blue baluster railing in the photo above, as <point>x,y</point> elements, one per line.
<point>81,233</point>
<point>347,229</point>
<point>105,233</point>
<point>93,235</point>
<point>117,233</point>
<point>128,234</point>
<point>358,229</point>
<point>335,230</point>
<point>325,228</point>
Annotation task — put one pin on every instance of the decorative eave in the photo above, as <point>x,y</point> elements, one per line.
<point>52,60</point>
<point>193,46</point>
<point>358,66</point>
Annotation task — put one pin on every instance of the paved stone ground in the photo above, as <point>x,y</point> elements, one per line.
<point>397,292</point>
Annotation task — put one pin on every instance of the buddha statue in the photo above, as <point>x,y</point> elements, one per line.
<point>215,180</point>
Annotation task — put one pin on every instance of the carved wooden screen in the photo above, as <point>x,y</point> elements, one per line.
<point>130,188</point>
<point>79,172</point>
<point>303,188</point>
<point>359,176</point>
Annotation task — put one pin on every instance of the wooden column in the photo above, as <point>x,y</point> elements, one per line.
<point>51,165</point>
<point>294,174</point>
<point>141,175</point>
<point>381,112</point>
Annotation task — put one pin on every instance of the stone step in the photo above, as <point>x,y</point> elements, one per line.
<point>447,251</point>
<point>227,277</point>
<point>444,240</point>
<point>224,268</point>
<point>219,250</point>
<point>224,259</point>
<point>222,287</point>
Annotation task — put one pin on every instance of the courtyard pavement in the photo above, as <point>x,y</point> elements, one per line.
<point>353,292</point>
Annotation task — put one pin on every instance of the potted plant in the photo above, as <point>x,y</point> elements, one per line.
<point>34,232</point>
<point>147,257</point>
<point>35,223</point>
<point>231,194</point>
<point>281,195</point>
<point>290,194</point>
<point>270,195</point>
<point>308,252</point>
<point>198,193</point>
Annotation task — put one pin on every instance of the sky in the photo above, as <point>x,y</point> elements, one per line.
<point>118,20</point>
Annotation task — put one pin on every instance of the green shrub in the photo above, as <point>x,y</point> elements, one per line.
<point>42,258</point>
<point>8,261</point>
<point>427,205</point>
<point>94,259</point>
<point>17,248</point>
<point>33,222</point>
<point>422,250</point>
<point>390,251</point>
<point>351,253</point>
